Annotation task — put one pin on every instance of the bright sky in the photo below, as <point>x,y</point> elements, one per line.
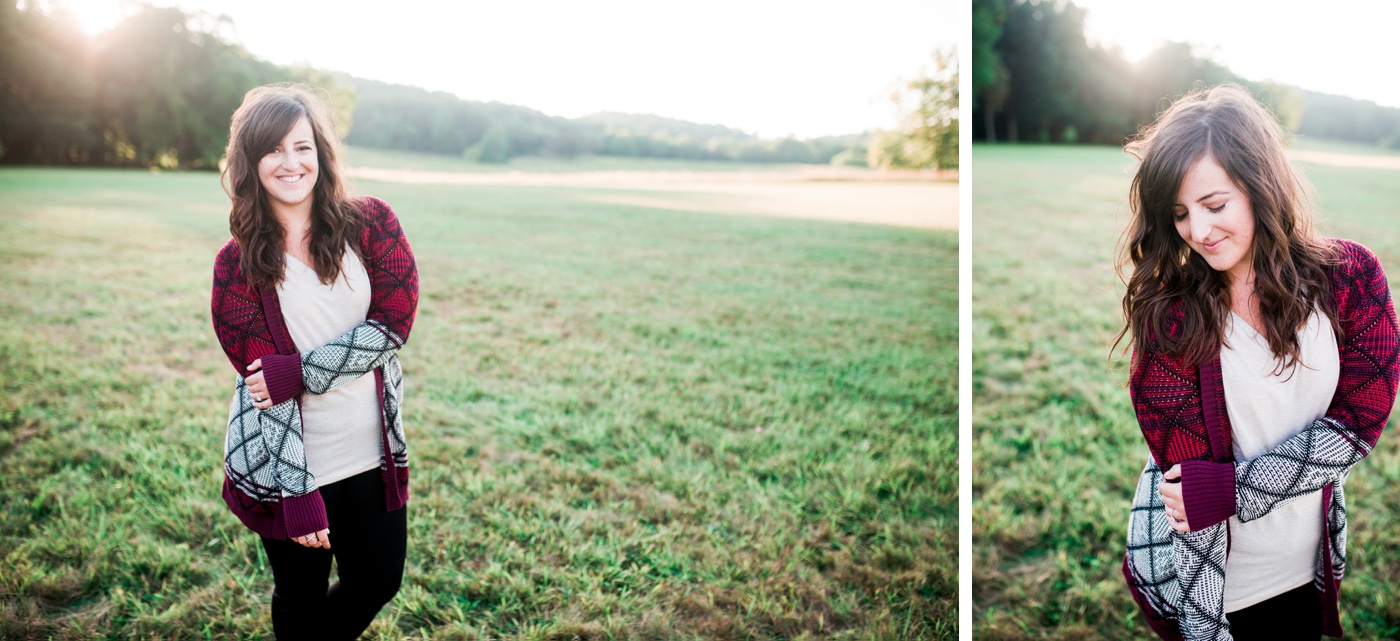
<point>1346,47</point>
<point>772,67</point>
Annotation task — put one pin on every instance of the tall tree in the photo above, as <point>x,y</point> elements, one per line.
<point>928,134</point>
<point>991,80</point>
<point>1044,49</point>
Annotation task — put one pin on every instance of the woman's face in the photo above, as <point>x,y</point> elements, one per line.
<point>1214,217</point>
<point>289,172</point>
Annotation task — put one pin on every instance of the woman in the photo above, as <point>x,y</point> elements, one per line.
<point>313,296</point>
<point>1264,367</point>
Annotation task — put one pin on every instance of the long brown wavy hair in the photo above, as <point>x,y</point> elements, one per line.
<point>259,125</point>
<point>1290,259</point>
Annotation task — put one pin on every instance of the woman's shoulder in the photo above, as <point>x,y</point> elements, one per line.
<point>374,210</point>
<point>229,256</point>
<point>1354,260</point>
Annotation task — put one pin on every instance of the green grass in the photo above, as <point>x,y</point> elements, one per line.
<point>396,159</point>
<point>623,422</point>
<point>1056,448</point>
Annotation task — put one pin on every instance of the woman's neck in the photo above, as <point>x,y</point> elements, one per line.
<point>1244,301</point>
<point>296,230</point>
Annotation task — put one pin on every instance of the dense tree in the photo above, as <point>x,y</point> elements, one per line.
<point>1341,118</point>
<point>1045,82</point>
<point>991,80</point>
<point>494,147</point>
<point>157,89</point>
<point>46,89</point>
<point>928,134</point>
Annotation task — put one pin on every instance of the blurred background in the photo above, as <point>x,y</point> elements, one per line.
<point>1094,72</point>
<point>1058,89</point>
<point>684,365</point>
<point>110,83</point>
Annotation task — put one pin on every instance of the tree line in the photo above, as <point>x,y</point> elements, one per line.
<point>1037,78</point>
<point>158,90</point>
<point>414,119</point>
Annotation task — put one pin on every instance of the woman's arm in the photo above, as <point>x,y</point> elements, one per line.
<point>240,324</point>
<point>1166,395</point>
<point>1322,453</point>
<point>393,275</point>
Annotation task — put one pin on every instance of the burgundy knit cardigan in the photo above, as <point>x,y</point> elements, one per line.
<point>249,324</point>
<point>1181,411</point>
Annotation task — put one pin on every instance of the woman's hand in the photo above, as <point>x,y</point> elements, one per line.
<point>257,386</point>
<point>320,539</point>
<point>1171,497</point>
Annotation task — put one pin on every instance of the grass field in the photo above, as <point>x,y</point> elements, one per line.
<point>624,422</point>
<point>1056,448</point>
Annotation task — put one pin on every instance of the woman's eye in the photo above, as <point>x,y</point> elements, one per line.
<point>1216,210</point>
<point>1179,216</point>
<point>304,148</point>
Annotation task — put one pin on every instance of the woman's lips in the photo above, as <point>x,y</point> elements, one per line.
<point>1210,247</point>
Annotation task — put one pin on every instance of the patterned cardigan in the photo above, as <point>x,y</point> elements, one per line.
<point>1179,579</point>
<point>266,480</point>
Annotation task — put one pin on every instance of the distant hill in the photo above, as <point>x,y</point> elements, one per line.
<point>646,124</point>
<point>1350,119</point>
<point>392,116</point>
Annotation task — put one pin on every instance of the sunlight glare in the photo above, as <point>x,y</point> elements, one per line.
<point>93,16</point>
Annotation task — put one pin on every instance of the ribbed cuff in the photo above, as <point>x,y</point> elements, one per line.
<point>282,373</point>
<point>1208,490</point>
<point>304,514</point>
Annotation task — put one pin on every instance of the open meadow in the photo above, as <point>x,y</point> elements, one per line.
<point>625,419</point>
<point>1056,447</point>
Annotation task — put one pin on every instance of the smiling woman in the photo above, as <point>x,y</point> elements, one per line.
<point>313,296</point>
<point>1264,367</point>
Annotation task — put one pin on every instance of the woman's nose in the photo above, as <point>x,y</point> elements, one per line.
<point>289,161</point>
<point>1200,227</point>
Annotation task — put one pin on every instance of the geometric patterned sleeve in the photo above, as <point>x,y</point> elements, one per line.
<point>1167,399</point>
<point>1200,565</point>
<point>240,323</point>
<point>393,276</point>
<point>1370,370</point>
<point>237,312</point>
<point>1166,396</point>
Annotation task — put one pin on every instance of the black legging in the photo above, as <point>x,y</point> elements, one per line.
<point>1293,615</point>
<point>368,545</point>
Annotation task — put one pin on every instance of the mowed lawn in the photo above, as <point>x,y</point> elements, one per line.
<point>1056,447</point>
<point>623,422</point>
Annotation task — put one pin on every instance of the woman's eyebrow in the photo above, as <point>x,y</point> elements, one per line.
<point>1213,193</point>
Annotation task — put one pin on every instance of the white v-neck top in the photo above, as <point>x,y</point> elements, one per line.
<point>1276,552</point>
<point>341,429</point>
